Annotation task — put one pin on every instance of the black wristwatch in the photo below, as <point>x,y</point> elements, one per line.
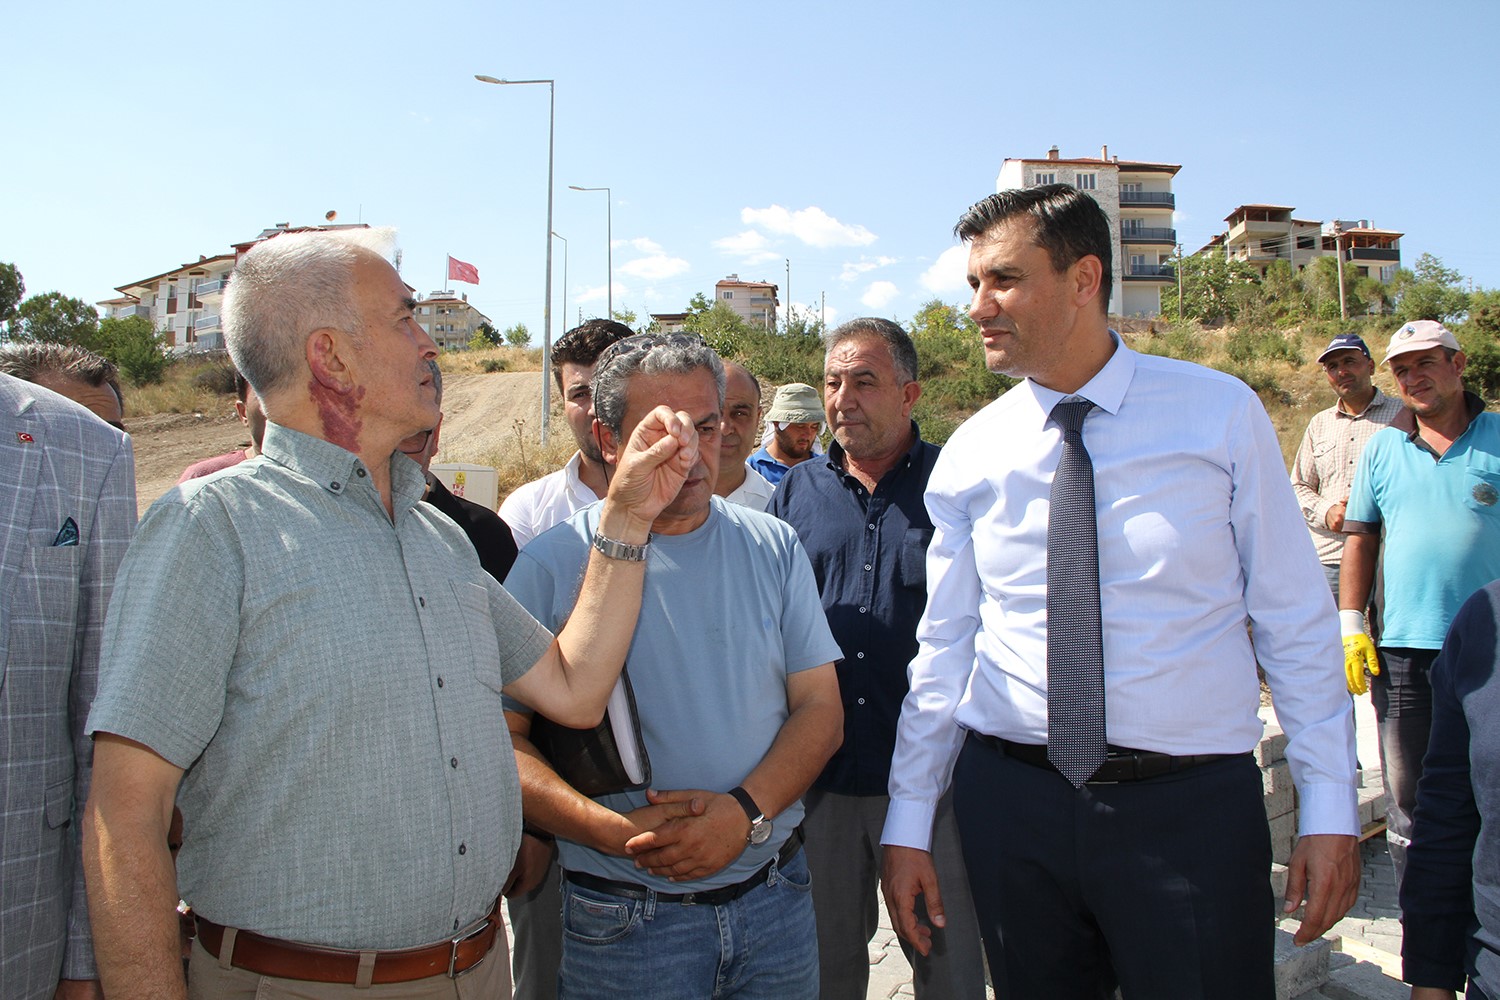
<point>760,827</point>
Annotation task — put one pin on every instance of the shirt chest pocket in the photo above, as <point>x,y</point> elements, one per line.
<point>477,637</point>
<point>1483,492</point>
<point>913,562</point>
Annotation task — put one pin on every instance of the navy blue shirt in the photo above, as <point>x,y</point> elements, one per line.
<point>869,555</point>
<point>1450,897</point>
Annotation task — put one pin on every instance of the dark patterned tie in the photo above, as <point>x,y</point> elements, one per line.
<point>1075,636</point>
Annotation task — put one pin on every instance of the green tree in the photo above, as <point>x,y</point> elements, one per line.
<point>135,347</point>
<point>1209,281</point>
<point>950,361</point>
<point>1430,291</point>
<point>1320,283</point>
<point>56,318</point>
<point>12,291</point>
<point>518,335</point>
<point>700,303</point>
<point>725,330</point>
<point>803,324</point>
<point>487,336</point>
<point>626,316</point>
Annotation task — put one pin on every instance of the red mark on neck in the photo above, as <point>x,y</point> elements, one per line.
<point>339,413</point>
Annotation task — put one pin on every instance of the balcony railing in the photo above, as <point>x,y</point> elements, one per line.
<point>1155,272</point>
<point>1148,234</point>
<point>203,324</point>
<point>1156,199</point>
<point>1381,254</point>
<point>208,289</point>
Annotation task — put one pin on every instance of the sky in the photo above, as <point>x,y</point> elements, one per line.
<point>828,148</point>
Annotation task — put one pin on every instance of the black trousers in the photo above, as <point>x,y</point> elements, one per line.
<point>1402,696</point>
<point>1160,887</point>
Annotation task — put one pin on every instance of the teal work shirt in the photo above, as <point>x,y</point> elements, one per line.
<point>330,681</point>
<point>1440,518</point>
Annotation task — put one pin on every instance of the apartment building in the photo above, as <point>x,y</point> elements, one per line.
<point>754,301</point>
<point>1260,235</point>
<point>183,303</point>
<point>449,319</point>
<point>1137,198</point>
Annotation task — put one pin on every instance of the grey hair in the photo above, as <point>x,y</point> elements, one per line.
<point>30,360</point>
<point>285,288</point>
<point>647,354</point>
<point>897,341</point>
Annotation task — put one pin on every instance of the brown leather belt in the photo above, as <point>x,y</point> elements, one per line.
<point>1122,764</point>
<point>268,956</point>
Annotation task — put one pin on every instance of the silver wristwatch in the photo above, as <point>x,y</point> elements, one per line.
<point>615,549</point>
<point>760,827</point>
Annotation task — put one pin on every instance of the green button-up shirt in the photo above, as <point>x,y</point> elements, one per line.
<point>330,681</point>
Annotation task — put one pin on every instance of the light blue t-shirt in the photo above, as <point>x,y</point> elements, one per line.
<point>729,610</point>
<point>1441,524</point>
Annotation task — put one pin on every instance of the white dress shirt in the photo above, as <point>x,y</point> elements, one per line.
<point>755,492</point>
<point>538,505</point>
<point>1200,536</point>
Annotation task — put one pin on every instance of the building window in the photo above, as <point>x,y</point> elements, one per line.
<point>729,295</point>
<point>1137,263</point>
<point>1041,179</point>
<point>1130,187</point>
<point>1130,225</point>
<point>1087,182</point>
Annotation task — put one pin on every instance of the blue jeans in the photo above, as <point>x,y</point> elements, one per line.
<point>762,946</point>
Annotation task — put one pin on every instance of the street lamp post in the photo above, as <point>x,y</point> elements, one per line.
<point>547,300</point>
<point>609,245</point>
<point>565,277</point>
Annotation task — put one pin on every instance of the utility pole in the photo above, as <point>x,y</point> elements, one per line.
<point>789,295</point>
<point>1179,282</point>
<point>823,306</point>
<point>1338,246</point>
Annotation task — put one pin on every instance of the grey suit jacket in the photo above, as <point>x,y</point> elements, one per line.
<point>67,511</point>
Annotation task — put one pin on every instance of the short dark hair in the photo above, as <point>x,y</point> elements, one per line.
<point>29,360</point>
<point>748,374</point>
<point>1069,225</point>
<point>583,344</point>
<point>897,341</point>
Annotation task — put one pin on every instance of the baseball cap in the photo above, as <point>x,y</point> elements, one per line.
<point>1419,335</point>
<point>1345,342</point>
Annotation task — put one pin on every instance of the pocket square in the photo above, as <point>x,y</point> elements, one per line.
<point>67,534</point>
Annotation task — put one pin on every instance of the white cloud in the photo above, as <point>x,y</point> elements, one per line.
<point>657,267</point>
<point>641,243</point>
<point>879,294</point>
<point>748,242</point>
<point>599,293</point>
<point>811,225</point>
<point>853,269</point>
<point>949,273</point>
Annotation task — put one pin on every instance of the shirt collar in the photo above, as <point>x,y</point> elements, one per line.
<point>1473,402</point>
<point>835,455</point>
<point>335,468</point>
<point>1375,400</point>
<point>1106,390</point>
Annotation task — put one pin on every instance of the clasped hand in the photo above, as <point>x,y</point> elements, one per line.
<point>692,846</point>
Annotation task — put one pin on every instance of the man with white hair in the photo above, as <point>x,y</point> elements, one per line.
<point>282,645</point>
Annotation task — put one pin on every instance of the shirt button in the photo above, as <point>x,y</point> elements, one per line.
<point>422,601</point>
<point>859,656</point>
<point>440,682</point>
<point>463,848</point>
<point>861,701</point>
<point>868,567</point>
<point>452,761</point>
<point>863,610</point>
<point>360,473</point>
<point>871,526</point>
<point>335,486</point>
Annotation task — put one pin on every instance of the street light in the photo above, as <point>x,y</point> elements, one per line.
<point>609,245</point>
<point>547,300</point>
<point>565,277</point>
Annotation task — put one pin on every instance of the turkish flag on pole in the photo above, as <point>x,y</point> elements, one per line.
<point>459,271</point>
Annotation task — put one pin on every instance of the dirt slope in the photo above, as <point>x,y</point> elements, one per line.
<point>479,413</point>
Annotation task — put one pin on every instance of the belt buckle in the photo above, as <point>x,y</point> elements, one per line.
<point>459,939</point>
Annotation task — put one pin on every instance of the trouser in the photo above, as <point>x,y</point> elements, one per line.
<point>761,946</point>
<point>843,853</point>
<point>210,979</point>
<point>1158,886</point>
<point>1402,696</point>
<point>536,921</point>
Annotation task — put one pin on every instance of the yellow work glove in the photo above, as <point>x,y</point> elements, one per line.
<point>1359,651</point>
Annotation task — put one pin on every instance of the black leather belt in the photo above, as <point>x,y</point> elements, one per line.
<point>705,897</point>
<point>1122,764</point>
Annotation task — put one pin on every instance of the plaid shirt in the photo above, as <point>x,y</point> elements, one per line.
<point>67,506</point>
<point>1324,467</point>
